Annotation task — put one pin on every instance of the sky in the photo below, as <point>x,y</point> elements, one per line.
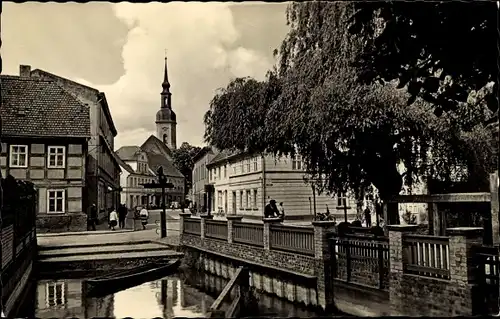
<point>119,49</point>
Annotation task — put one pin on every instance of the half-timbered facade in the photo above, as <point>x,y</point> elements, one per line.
<point>44,140</point>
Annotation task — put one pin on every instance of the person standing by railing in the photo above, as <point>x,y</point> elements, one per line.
<point>281,210</point>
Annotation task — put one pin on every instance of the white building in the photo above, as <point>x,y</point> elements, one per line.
<point>243,184</point>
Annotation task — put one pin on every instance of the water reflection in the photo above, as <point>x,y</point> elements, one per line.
<point>162,298</point>
<point>173,296</point>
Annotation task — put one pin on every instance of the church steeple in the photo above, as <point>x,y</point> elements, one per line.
<point>166,96</point>
<point>165,117</point>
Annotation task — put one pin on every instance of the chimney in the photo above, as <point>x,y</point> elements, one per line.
<point>25,71</point>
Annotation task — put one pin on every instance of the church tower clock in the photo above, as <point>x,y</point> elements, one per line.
<point>165,117</point>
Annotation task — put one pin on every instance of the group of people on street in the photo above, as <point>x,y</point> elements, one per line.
<point>273,211</point>
<point>115,217</point>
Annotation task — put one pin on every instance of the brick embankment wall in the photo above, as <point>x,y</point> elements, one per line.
<point>289,261</point>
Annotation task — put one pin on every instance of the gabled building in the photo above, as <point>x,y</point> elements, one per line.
<point>102,170</point>
<point>144,161</point>
<point>45,134</point>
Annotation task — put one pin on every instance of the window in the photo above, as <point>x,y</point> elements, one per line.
<point>249,199</point>
<point>210,173</point>
<point>242,167</point>
<point>248,165</point>
<point>255,164</point>
<point>234,169</point>
<point>56,157</point>
<point>225,171</point>
<point>55,199</point>
<point>241,199</point>
<point>18,156</point>
<point>54,294</point>
<point>218,172</point>
<point>297,162</point>
<point>219,199</point>
<point>342,200</point>
<point>254,198</point>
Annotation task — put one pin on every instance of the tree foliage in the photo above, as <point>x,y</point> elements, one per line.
<point>350,135</point>
<point>444,52</point>
<point>183,161</point>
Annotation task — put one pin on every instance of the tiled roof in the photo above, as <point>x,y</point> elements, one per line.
<point>153,139</point>
<point>34,107</point>
<point>128,153</point>
<point>124,165</point>
<point>201,153</point>
<point>223,155</point>
<point>156,160</point>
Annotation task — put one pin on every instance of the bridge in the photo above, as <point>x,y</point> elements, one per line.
<point>354,270</point>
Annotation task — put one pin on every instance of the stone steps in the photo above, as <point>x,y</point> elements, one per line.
<point>168,254</point>
<point>98,250</point>
<point>93,245</point>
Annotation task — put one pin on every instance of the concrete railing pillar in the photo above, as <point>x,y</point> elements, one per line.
<point>396,261</point>
<point>267,231</point>
<point>230,230</point>
<point>182,219</point>
<point>495,221</point>
<point>323,263</point>
<point>202,224</point>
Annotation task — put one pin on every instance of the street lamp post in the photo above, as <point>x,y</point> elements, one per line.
<point>163,184</point>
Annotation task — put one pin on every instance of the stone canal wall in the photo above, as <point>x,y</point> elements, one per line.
<point>359,274</point>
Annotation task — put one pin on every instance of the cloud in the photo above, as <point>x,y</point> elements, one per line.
<point>200,39</point>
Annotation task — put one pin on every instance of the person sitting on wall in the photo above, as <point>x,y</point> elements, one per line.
<point>281,210</point>
<point>271,211</point>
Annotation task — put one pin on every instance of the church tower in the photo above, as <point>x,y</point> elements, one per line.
<point>165,117</point>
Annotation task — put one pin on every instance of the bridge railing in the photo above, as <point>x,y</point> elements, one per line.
<point>216,229</point>
<point>427,256</point>
<point>192,226</point>
<point>361,259</point>
<point>248,233</point>
<point>292,239</point>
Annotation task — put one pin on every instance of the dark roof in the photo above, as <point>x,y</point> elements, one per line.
<point>160,144</point>
<point>100,95</point>
<point>128,153</point>
<point>157,160</point>
<point>40,108</point>
<point>201,153</point>
<point>223,155</point>
<point>123,164</point>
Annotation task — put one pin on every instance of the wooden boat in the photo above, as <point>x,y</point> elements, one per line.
<point>108,284</point>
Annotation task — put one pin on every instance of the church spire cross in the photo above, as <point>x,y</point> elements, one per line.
<point>166,84</point>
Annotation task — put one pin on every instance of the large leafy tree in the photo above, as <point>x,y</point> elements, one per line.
<point>444,52</point>
<point>183,161</point>
<point>349,135</point>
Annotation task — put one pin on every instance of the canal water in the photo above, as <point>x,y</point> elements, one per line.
<point>173,296</point>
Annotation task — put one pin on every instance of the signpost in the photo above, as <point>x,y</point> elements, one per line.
<point>162,183</point>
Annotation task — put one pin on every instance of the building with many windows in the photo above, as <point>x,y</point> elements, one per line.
<point>200,177</point>
<point>102,171</point>
<point>243,184</point>
<point>45,133</point>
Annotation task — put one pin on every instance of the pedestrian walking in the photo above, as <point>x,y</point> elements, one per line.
<point>368,217</point>
<point>92,217</point>
<point>144,215</point>
<point>113,219</point>
<point>122,214</point>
